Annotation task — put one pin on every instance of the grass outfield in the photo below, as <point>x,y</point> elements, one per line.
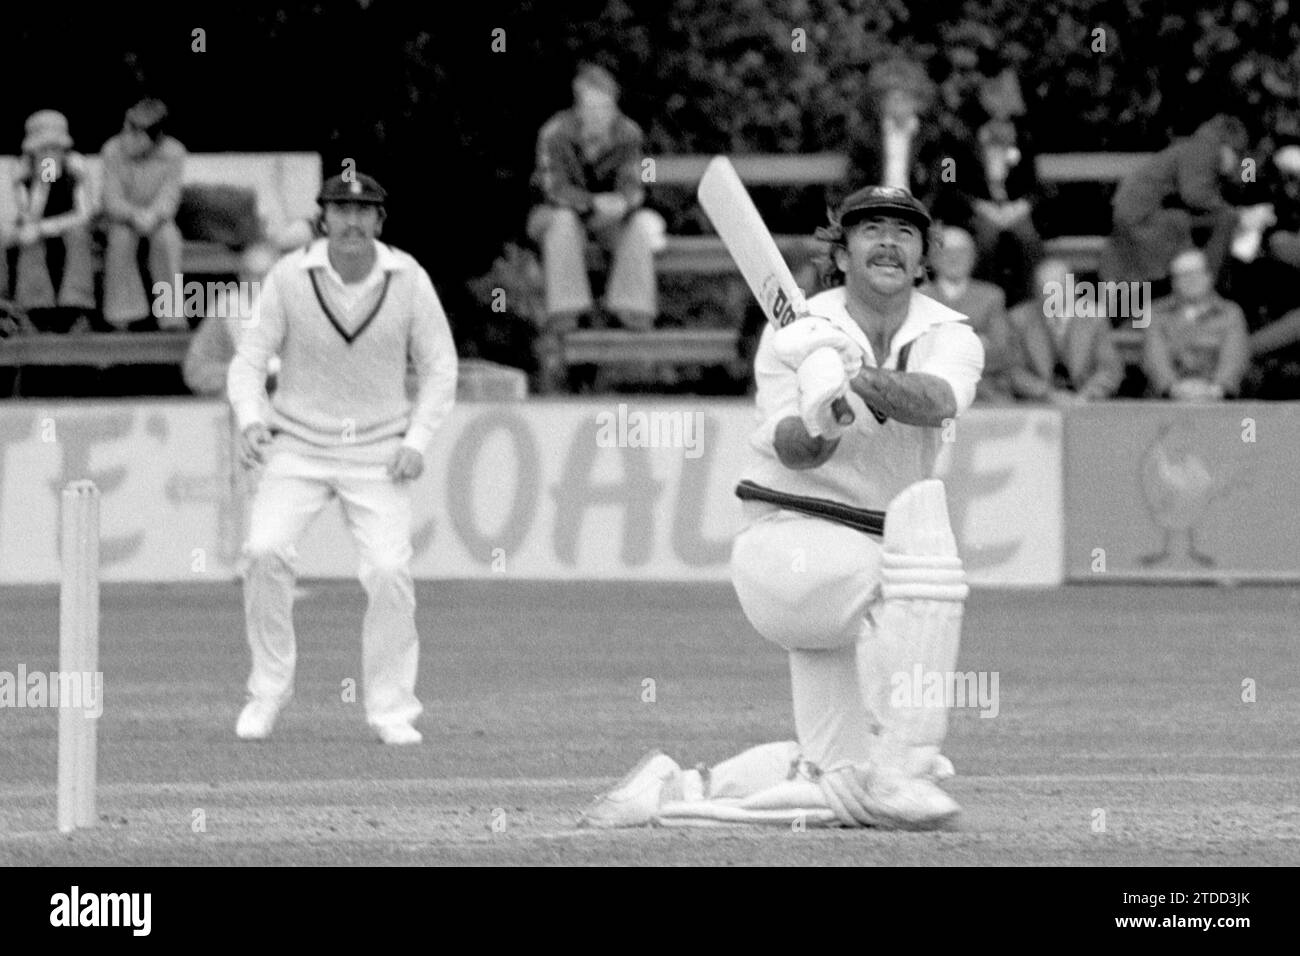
<point>1126,700</point>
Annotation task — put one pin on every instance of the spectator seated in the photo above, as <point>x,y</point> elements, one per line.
<point>1197,346</point>
<point>1060,357</point>
<point>984,305</point>
<point>705,254</point>
<point>283,187</point>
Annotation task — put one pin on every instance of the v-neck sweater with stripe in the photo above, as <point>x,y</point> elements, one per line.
<point>341,390</point>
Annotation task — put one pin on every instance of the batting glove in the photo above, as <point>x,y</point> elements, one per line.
<point>822,379</point>
<point>801,338</point>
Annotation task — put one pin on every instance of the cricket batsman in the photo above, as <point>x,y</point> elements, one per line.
<point>345,315</point>
<point>846,559</point>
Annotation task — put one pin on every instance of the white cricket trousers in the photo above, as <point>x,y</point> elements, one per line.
<point>292,491</point>
<point>809,585</point>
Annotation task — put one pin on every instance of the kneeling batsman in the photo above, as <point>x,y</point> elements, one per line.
<point>859,597</point>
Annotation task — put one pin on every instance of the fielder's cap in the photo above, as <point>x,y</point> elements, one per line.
<point>355,187</point>
<point>46,128</point>
<point>884,201</point>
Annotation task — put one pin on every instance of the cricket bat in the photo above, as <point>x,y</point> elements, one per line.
<point>737,222</point>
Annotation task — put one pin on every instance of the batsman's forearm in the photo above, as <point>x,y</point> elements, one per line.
<point>913,398</point>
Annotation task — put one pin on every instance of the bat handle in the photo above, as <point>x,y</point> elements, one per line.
<point>840,409</point>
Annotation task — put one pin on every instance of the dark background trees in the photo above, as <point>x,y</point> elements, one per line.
<point>414,93</point>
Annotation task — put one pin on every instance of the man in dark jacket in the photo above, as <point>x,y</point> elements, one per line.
<point>994,192</point>
<point>1160,208</point>
<point>898,141</point>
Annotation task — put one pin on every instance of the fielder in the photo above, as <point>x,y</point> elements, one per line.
<point>846,559</point>
<point>345,315</point>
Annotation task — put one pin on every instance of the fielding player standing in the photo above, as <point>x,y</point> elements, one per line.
<point>847,559</point>
<point>344,314</point>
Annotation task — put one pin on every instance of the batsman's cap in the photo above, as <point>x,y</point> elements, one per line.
<point>355,187</point>
<point>884,201</point>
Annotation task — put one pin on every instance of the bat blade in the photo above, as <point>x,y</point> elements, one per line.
<point>736,219</point>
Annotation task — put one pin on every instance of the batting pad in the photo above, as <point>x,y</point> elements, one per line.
<point>789,803</point>
<point>906,661</point>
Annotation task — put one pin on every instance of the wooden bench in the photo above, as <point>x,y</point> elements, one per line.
<point>286,185</point>
<point>706,255</point>
<point>95,349</point>
<point>676,346</point>
<point>98,350</point>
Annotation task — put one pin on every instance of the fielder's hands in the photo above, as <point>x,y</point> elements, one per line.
<point>406,465</point>
<point>253,444</point>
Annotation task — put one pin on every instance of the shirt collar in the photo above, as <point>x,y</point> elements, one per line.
<point>317,257</point>
<point>923,314</point>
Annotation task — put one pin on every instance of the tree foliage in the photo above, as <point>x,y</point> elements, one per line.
<point>416,94</point>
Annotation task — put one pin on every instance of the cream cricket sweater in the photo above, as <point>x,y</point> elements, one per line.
<point>343,351</point>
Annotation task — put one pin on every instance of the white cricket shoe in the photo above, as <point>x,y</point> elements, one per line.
<point>908,803</point>
<point>398,734</point>
<point>634,800</point>
<point>257,719</point>
<point>940,769</point>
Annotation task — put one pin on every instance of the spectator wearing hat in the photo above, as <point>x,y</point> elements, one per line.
<point>54,208</point>
<point>1176,201</point>
<point>983,304</point>
<point>589,177</point>
<point>1196,347</point>
<point>143,168</point>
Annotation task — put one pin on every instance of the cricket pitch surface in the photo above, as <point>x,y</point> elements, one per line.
<point>1134,726</point>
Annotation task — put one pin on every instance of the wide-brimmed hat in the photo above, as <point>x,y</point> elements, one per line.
<point>46,128</point>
